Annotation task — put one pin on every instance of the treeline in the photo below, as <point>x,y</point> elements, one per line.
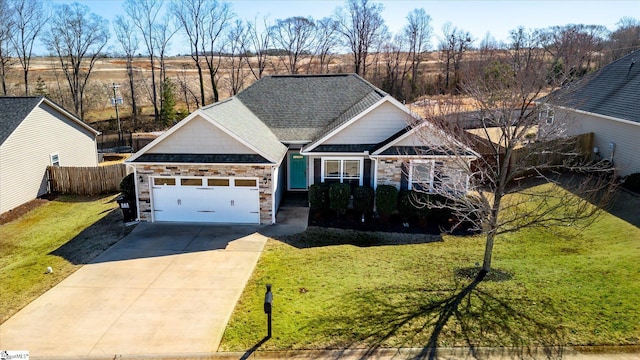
<point>229,53</point>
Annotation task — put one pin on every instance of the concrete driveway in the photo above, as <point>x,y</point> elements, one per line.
<point>164,289</point>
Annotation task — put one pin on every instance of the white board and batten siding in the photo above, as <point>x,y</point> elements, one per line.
<point>374,127</point>
<point>26,153</point>
<point>625,136</point>
<point>196,137</point>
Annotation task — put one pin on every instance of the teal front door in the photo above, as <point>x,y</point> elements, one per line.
<point>297,171</point>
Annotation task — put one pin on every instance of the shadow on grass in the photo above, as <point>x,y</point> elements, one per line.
<point>318,237</point>
<point>466,315</point>
<point>255,347</point>
<point>94,240</point>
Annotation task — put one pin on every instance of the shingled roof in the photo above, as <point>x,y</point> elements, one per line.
<point>12,111</point>
<point>301,107</point>
<point>612,91</point>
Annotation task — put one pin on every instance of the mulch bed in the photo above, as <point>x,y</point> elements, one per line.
<point>392,224</point>
<point>23,209</point>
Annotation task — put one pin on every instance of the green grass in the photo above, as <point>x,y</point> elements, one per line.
<point>28,243</point>
<point>581,290</point>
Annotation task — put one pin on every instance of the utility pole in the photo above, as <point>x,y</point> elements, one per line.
<point>115,101</point>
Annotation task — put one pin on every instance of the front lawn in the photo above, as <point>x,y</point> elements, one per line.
<point>62,234</point>
<point>363,292</point>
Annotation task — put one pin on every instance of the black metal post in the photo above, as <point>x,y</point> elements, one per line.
<point>268,305</point>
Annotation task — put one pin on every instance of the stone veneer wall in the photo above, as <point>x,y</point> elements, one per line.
<point>390,172</point>
<point>261,172</point>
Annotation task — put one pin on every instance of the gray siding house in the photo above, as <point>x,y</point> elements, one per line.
<point>36,133</point>
<point>606,103</point>
<point>232,162</point>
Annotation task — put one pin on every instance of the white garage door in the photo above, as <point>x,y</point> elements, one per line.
<point>219,200</point>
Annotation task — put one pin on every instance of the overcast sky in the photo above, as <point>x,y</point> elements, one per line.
<point>476,17</point>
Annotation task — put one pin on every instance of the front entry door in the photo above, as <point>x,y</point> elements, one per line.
<point>297,171</point>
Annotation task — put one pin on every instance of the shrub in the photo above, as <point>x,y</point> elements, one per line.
<point>632,182</point>
<point>128,187</point>
<point>440,215</point>
<point>319,196</point>
<point>363,199</point>
<point>386,199</point>
<point>339,195</point>
<point>413,203</point>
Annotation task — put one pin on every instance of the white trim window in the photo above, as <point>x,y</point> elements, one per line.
<point>55,159</point>
<point>347,169</point>
<point>546,114</point>
<point>425,175</point>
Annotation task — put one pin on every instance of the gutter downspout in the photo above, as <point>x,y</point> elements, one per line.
<point>274,188</point>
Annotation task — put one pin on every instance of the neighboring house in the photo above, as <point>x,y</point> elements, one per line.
<point>606,103</point>
<point>35,133</point>
<point>231,162</point>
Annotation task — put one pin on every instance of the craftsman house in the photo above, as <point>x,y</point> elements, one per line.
<point>232,162</point>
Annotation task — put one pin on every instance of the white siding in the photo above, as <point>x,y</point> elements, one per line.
<point>25,154</point>
<point>200,137</point>
<point>421,138</point>
<point>374,127</point>
<point>625,136</point>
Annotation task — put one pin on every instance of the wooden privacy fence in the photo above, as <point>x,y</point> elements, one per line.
<point>86,180</point>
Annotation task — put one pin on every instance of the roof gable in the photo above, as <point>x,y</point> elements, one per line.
<point>422,139</point>
<point>371,125</point>
<point>612,91</point>
<point>298,108</point>
<point>227,127</point>
<point>15,109</point>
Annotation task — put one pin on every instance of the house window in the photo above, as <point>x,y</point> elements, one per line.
<point>217,182</point>
<point>191,182</point>
<point>55,160</point>
<point>161,181</point>
<point>426,175</point>
<point>342,170</point>
<point>546,115</point>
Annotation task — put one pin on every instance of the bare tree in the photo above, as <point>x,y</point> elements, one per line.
<point>258,44</point>
<point>625,39</point>
<point>185,89</point>
<point>191,15</point>
<point>362,27</point>
<point>6,27</point>
<point>396,66</point>
<point>129,43</point>
<point>493,195</point>
<point>162,34</point>
<point>418,32</point>
<point>77,37</point>
<point>295,37</point>
<point>235,45</point>
<point>219,16</point>
<point>28,18</point>
<point>144,15</point>
<point>325,43</point>
<point>453,45</point>
<point>573,48</point>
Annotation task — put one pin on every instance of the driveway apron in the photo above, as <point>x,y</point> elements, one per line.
<point>164,289</point>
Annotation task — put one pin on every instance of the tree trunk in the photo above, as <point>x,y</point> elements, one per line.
<point>201,81</point>
<point>26,82</point>
<point>156,114</point>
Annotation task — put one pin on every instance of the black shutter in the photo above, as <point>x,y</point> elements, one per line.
<point>404,177</point>
<point>317,171</point>
<point>366,180</point>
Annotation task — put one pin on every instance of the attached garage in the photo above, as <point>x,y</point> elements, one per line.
<point>203,199</point>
